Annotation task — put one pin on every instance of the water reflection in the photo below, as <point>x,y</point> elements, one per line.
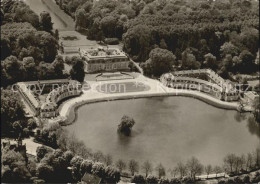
<point>239,117</point>
<point>253,126</point>
<point>124,140</point>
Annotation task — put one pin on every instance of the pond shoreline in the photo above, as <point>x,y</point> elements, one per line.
<point>71,115</point>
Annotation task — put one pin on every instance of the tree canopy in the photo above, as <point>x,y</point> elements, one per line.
<point>126,125</point>
<point>216,27</point>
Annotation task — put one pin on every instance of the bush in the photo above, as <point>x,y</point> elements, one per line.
<point>187,180</point>
<point>138,179</point>
<point>42,151</point>
<point>237,180</point>
<point>256,178</point>
<point>175,181</point>
<point>68,155</point>
<point>222,181</point>
<point>246,179</point>
<point>230,181</point>
<point>47,137</point>
<point>151,179</point>
<point>163,181</point>
<point>132,67</point>
<point>39,181</point>
<point>31,124</point>
<point>111,41</point>
<point>86,166</point>
<point>70,37</point>
<point>53,126</point>
<point>26,132</point>
<point>98,169</point>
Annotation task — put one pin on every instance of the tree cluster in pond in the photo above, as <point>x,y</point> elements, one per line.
<point>126,125</point>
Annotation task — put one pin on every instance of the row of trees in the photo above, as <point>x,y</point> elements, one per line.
<point>162,60</point>
<point>25,34</point>
<point>249,178</point>
<point>65,166</point>
<point>13,121</point>
<point>12,113</point>
<point>14,167</point>
<point>234,164</point>
<point>18,11</point>
<point>23,40</point>
<point>14,70</point>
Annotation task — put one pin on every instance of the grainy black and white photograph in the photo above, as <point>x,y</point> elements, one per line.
<point>130,91</point>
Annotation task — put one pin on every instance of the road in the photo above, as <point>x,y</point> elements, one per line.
<point>60,19</point>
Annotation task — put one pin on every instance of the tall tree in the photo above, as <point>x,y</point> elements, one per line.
<point>147,167</point>
<point>229,161</point>
<point>161,170</point>
<point>161,61</point>
<point>80,19</point>
<point>194,167</point>
<point>45,21</point>
<point>121,165</point>
<point>217,170</point>
<point>182,169</point>
<point>208,169</point>
<point>133,166</point>
<point>108,159</point>
<point>77,71</point>
<point>98,169</point>
<point>11,110</point>
<point>14,168</point>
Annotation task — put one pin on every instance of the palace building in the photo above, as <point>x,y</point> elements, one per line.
<point>104,59</point>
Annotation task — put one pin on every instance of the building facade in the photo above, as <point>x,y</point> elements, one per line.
<point>104,59</point>
<point>49,108</point>
<point>205,80</point>
<point>57,90</point>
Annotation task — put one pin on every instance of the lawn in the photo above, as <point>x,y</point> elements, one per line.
<point>125,87</point>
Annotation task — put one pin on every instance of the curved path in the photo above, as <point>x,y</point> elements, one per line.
<point>156,89</point>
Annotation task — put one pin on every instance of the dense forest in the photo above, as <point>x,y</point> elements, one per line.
<point>221,34</point>
<point>29,47</point>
